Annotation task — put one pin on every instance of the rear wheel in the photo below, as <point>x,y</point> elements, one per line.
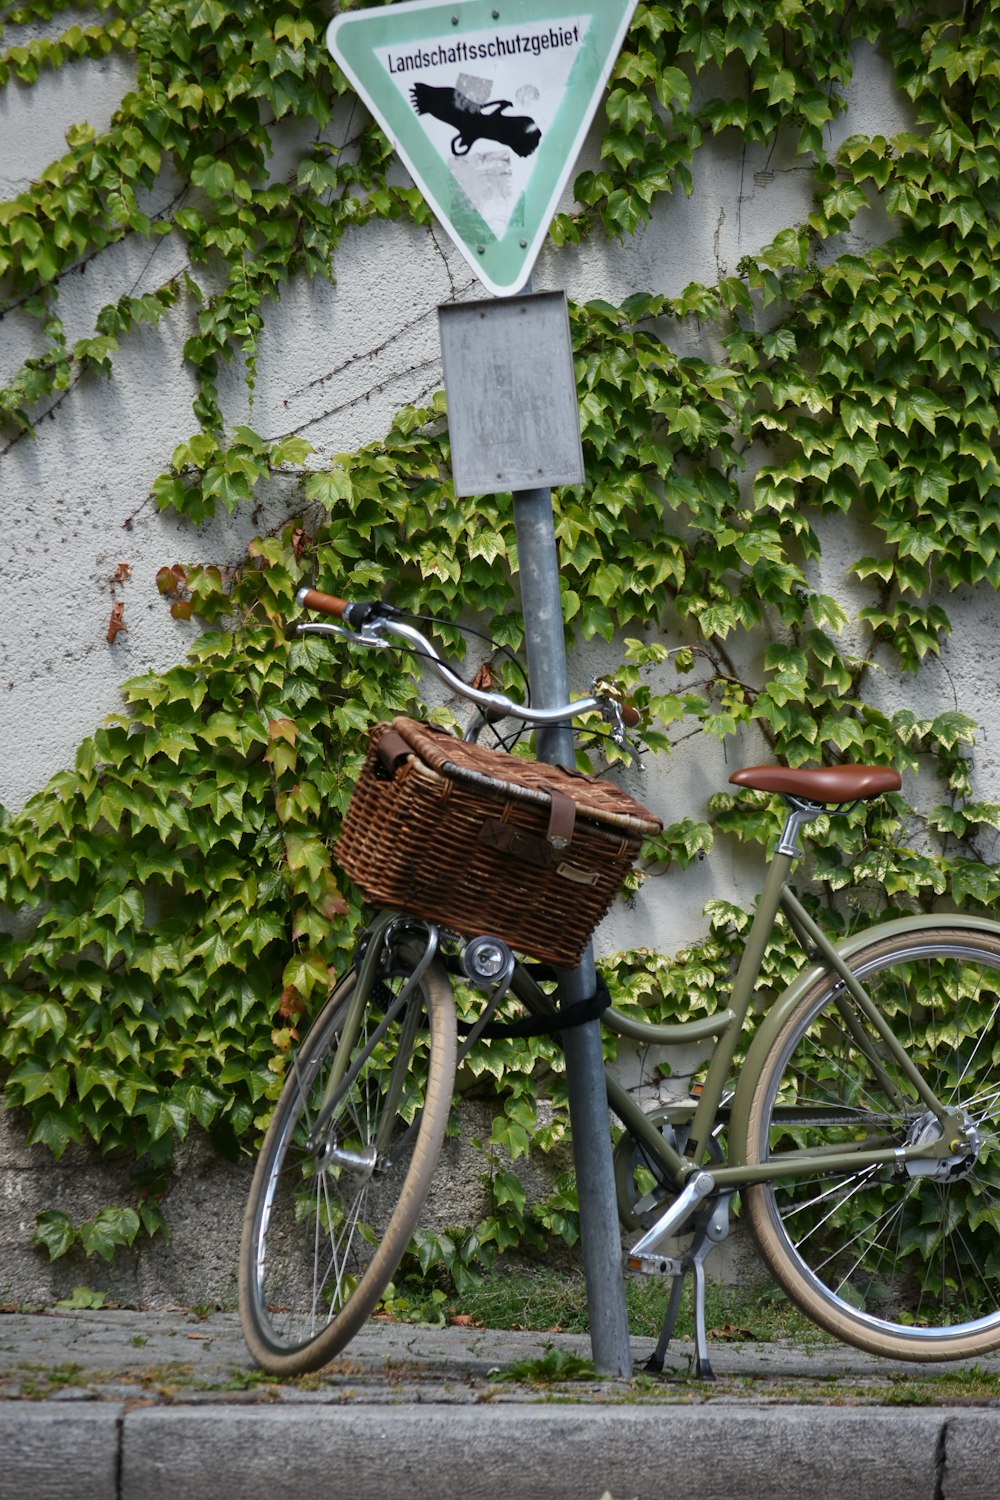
<point>331,1209</point>
<point>900,1259</point>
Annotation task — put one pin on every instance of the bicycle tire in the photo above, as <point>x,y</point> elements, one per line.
<point>322,1239</point>
<point>894,1263</point>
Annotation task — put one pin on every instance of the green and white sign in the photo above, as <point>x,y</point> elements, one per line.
<point>487,103</point>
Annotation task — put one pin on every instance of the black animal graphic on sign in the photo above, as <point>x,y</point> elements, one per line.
<point>476,122</point>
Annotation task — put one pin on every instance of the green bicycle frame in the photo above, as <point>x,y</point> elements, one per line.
<point>728,1025</point>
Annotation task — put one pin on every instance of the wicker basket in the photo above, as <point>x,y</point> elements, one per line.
<point>485,842</point>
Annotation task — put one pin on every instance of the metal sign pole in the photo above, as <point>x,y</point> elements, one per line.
<point>514,422</point>
<point>588,1105</point>
<point>439,76</point>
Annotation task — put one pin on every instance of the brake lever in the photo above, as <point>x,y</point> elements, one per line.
<point>363,637</point>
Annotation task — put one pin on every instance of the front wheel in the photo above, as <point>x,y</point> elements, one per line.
<point>331,1209</point>
<point>901,1259</point>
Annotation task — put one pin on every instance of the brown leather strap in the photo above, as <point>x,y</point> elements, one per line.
<point>529,846</point>
<point>392,750</point>
<point>562,818</point>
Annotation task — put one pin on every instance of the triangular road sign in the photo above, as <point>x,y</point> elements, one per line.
<point>487,103</point>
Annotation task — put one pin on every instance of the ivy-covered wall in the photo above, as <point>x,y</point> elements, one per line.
<point>218,379</point>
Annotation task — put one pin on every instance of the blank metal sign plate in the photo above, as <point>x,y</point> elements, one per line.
<point>512,408</point>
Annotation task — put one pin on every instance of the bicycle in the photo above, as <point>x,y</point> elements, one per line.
<point>861,1131</point>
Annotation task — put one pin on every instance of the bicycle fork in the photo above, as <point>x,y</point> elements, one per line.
<point>344,1072</point>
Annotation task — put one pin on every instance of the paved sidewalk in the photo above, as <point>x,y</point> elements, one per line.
<point>126,1405</point>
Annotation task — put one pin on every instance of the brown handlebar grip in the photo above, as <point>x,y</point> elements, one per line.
<point>630,716</point>
<point>326,604</point>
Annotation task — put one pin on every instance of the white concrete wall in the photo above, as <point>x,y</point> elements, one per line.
<point>334,363</point>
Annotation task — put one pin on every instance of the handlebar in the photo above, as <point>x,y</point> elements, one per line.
<point>370,625</point>
<point>327,604</point>
<point>357,615</point>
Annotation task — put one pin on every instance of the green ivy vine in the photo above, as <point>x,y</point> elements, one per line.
<point>179,913</point>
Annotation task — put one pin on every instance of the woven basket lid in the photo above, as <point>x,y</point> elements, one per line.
<point>445,753</point>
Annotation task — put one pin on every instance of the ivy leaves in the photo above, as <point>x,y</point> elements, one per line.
<point>151,994</point>
<point>205,474</point>
<point>793,61</point>
<point>212,79</point>
<point>101,1235</point>
<point>903,408</point>
<point>144,998</point>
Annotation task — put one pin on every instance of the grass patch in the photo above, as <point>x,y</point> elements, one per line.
<point>975,1387</point>
<point>554,1366</point>
<point>38,1382</point>
<point>541,1299</point>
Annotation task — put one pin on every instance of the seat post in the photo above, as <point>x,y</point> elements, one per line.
<point>800,812</point>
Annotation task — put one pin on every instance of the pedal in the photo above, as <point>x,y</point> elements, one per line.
<point>654,1265</point>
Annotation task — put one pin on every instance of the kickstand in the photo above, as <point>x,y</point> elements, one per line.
<point>710,1228</point>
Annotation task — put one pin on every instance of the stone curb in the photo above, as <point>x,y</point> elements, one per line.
<point>165,1405</point>
<point>106,1451</point>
